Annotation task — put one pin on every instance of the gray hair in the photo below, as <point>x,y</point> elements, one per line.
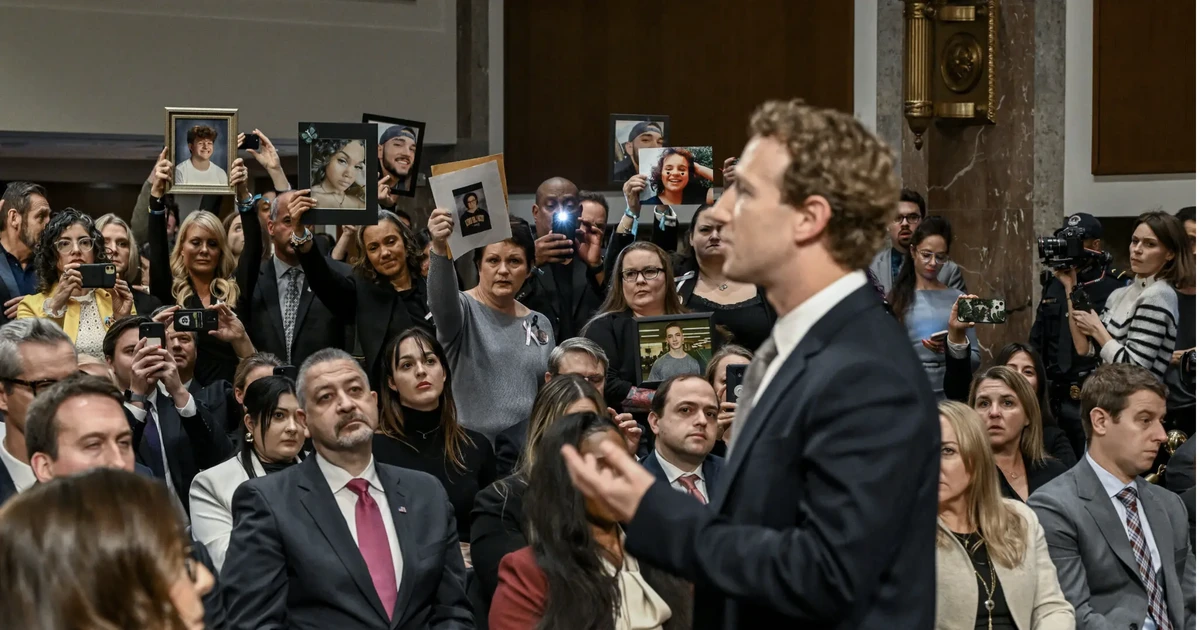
<point>325,355</point>
<point>22,331</point>
<point>577,344</point>
<point>132,270</point>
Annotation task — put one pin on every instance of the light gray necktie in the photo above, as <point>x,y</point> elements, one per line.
<point>291,299</point>
<point>754,375</point>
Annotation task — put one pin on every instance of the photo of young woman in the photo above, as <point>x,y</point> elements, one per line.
<point>339,174</point>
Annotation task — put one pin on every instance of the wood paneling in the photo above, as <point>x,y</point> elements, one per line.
<point>707,64</point>
<point>1143,87</point>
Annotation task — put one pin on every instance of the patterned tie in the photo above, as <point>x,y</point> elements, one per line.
<point>291,299</point>
<point>754,376</point>
<point>1158,602</point>
<point>154,444</point>
<point>373,544</point>
<point>689,482</point>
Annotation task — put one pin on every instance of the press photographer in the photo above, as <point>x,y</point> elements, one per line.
<point>1076,245</point>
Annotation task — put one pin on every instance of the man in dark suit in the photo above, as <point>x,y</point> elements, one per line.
<point>287,319</point>
<point>683,417</point>
<point>26,213</point>
<point>826,510</point>
<point>1121,545</point>
<point>340,541</point>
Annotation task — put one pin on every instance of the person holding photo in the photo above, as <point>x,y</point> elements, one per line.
<point>675,180</point>
<point>339,170</point>
<point>675,361</point>
<point>647,134</point>
<point>199,169</point>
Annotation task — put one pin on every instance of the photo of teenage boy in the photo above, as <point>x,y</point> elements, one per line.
<point>198,167</point>
<point>472,211</point>
<point>676,361</point>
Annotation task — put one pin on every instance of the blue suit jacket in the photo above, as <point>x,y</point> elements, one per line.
<point>711,469</point>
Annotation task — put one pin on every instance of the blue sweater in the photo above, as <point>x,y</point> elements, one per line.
<point>930,313</point>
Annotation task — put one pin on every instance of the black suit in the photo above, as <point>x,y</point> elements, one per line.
<point>711,468</point>
<point>192,444</point>
<point>218,398</point>
<point>567,313</point>
<point>497,529</point>
<point>825,514</point>
<point>8,489</point>
<point>292,562</point>
<point>316,325</point>
<point>510,444</point>
<point>617,335</point>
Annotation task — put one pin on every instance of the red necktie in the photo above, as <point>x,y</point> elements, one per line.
<point>689,482</point>
<point>373,544</point>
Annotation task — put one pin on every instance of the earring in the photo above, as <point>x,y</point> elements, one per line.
<point>249,437</point>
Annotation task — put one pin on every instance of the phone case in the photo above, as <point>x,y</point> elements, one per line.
<point>982,311</point>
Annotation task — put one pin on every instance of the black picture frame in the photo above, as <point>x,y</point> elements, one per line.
<point>616,145</point>
<point>311,134</point>
<point>689,321</point>
<point>415,170</point>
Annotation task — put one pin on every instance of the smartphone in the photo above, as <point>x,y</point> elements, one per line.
<point>289,371</point>
<point>939,336</point>
<point>98,275</point>
<point>195,319</point>
<point>982,311</point>
<point>734,375</point>
<point>566,223</point>
<point>251,141</point>
<point>154,333</point>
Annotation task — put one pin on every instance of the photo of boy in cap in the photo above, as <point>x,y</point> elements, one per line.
<point>398,153</point>
<point>630,134</point>
<point>472,209</point>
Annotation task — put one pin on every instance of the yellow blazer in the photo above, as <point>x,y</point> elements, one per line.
<point>32,306</point>
<point>1031,589</point>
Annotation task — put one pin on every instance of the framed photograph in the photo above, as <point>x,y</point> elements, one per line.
<point>401,143</point>
<point>630,133</point>
<point>478,199</point>
<point>680,177</point>
<point>337,163</point>
<point>203,145</point>
<point>671,345</point>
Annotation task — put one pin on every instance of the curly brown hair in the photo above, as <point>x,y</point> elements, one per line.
<point>833,156</point>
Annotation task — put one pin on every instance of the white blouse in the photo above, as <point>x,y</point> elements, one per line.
<point>90,338</point>
<point>641,606</point>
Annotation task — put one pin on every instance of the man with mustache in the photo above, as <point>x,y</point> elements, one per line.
<point>26,213</point>
<point>341,541</point>
<point>885,267</point>
<point>199,169</point>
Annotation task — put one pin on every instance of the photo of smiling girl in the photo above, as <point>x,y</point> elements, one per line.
<point>676,177</point>
<point>339,174</point>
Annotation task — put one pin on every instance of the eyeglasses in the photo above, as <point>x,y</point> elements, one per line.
<point>36,387</point>
<point>65,245</point>
<point>927,256</point>
<point>912,219</point>
<point>649,274</point>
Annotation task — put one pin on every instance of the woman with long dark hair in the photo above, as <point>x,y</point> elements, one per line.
<point>339,173</point>
<point>419,427</point>
<point>274,441</point>
<point>576,572</point>
<point>924,304</point>
<point>675,180</point>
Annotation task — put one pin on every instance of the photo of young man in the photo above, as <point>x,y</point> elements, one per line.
<point>398,154</point>
<point>472,210</point>
<point>198,166</point>
<point>645,134</point>
<point>676,361</point>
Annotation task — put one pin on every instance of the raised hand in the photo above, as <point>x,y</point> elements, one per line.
<point>633,189</point>
<point>384,193</point>
<point>238,178</point>
<point>552,248</point>
<point>266,155</point>
<point>70,283</point>
<point>441,226</point>
<point>161,176</point>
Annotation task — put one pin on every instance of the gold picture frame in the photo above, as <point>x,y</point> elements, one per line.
<point>187,178</point>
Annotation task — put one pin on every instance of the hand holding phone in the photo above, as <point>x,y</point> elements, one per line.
<point>98,275</point>
<point>982,310</point>
<point>251,141</point>
<point>734,375</point>
<point>155,333</point>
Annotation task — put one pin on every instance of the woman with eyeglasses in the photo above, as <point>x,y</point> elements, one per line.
<point>924,304</point>
<point>122,250</point>
<point>85,313</point>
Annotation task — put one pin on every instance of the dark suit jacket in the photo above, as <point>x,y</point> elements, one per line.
<point>192,444</point>
<point>8,489</point>
<point>316,325</point>
<point>510,444</point>
<point>214,601</point>
<point>540,293</point>
<point>711,468</point>
<point>223,407</point>
<point>143,303</point>
<point>497,529</point>
<point>292,562</point>
<point>1181,468</point>
<point>616,334</point>
<point>825,513</point>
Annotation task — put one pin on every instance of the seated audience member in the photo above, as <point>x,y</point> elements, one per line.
<point>200,271</point>
<point>173,435</point>
<point>96,367</point>
<point>1009,412</point>
<point>683,417</point>
<point>256,366</point>
<point>1120,544</point>
<point>103,549</point>
<point>923,303</point>
<point>122,251</point>
<point>274,439</point>
<point>643,286</point>
<point>419,426</point>
<point>994,569</point>
<point>498,348</point>
<point>885,267</point>
<point>342,541</point>
<point>384,296</point>
<point>26,213</point>
<point>716,374</point>
<point>34,354</point>
<point>498,519</point>
<point>1140,321</point>
<point>576,572</point>
<point>71,240</point>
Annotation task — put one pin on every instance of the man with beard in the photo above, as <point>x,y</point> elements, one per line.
<point>26,212</point>
<point>199,169</point>
<point>339,540</point>
<point>885,267</point>
<point>644,135</point>
<point>397,153</point>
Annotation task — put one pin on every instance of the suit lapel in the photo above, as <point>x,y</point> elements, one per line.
<point>408,550</point>
<point>1160,526</point>
<point>324,510</point>
<point>270,294</point>
<point>1099,505</point>
<point>651,464</point>
<point>306,298</point>
<point>168,432</point>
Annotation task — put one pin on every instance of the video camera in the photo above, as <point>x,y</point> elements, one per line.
<point>1065,250</point>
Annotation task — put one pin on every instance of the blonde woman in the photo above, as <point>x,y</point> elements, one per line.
<point>993,567</point>
<point>1008,407</point>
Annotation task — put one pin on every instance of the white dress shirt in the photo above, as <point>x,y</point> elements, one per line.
<point>674,473</point>
<point>791,328</point>
<point>1112,486</point>
<point>346,500</point>
<point>22,475</point>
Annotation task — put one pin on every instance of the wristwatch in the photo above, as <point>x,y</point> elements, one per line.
<point>135,398</point>
<point>299,241</point>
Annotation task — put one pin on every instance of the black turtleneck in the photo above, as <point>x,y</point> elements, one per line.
<point>424,448</point>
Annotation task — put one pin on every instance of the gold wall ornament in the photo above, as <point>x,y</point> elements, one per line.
<point>949,65</point>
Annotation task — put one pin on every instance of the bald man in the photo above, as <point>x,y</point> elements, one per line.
<point>568,283</point>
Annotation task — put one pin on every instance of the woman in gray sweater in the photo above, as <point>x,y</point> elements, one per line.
<point>498,348</point>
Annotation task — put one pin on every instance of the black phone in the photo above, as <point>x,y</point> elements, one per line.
<point>734,375</point>
<point>566,223</point>
<point>982,310</point>
<point>195,319</point>
<point>155,333</point>
<point>98,275</point>
<point>289,371</point>
<point>1081,301</point>
<point>251,141</point>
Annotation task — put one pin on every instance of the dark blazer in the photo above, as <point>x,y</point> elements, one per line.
<point>316,325</point>
<point>1181,468</point>
<point>824,515</point>
<point>8,489</point>
<point>497,529</point>
<point>1036,476</point>
<point>192,444</point>
<point>711,468</point>
<point>293,563</point>
<point>214,601</point>
<point>143,303</point>
<point>540,293</point>
<point>616,334</point>
<point>222,406</point>
<point>510,444</point>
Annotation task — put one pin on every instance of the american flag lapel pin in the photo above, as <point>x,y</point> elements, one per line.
<point>402,510</point>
